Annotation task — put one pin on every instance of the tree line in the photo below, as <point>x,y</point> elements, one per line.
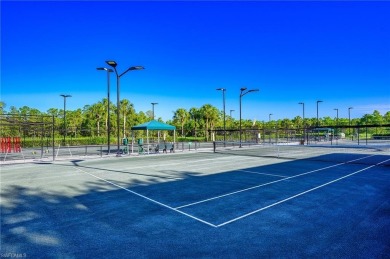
<point>92,120</point>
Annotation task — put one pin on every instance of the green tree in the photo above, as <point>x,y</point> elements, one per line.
<point>93,114</point>
<point>195,116</point>
<point>377,118</point>
<point>105,113</point>
<point>328,121</point>
<point>210,115</point>
<point>127,110</point>
<point>2,107</point>
<point>75,119</point>
<point>181,116</point>
<point>386,117</point>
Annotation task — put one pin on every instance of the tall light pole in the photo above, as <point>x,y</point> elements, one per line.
<point>153,104</point>
<point>349,119</point>
<point>109,70</point>
<point>303,120</point>
<point>231,113</point>
<point>303,112</point>
<point>317,112</point>
<point>269,122</point>
<point>244,91</point>
<point>224,114</point>
<point>337,119</point>
<point>65,96</point>
<point>113,64</point>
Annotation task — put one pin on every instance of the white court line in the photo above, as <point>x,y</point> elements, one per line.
<point>176,163</point>
<point>149,199</point>
<point>184,162</point>
<point>251,172</point>
<point>188,167</point>
<point>261,185</point>
<point>299,194</point>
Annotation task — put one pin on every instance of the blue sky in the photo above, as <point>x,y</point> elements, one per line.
<point>337,52</point>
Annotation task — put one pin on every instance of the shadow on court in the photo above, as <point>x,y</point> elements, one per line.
<point>350,218</point>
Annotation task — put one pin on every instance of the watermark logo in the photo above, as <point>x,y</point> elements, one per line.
<point>13,255</point>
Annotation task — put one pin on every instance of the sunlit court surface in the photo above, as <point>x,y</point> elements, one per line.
<point>240,202</point>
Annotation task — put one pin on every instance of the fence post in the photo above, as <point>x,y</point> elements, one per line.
<point>358,133</point>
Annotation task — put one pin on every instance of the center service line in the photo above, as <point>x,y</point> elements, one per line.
<point>265,184</point>
<point>299,194</point>
<point>149,199</point>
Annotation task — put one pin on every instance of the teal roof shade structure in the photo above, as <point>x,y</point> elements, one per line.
<point>153,125</point>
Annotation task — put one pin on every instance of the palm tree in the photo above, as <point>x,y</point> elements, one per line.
<point>75,120</point>
<point>127,109</point>
<point>94,114</point>
<point>105,113</point>
<point>181,115</point>
<point>195,115</point>
<point>210,115</point>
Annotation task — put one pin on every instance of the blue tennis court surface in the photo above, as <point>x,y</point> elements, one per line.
<point>198,205</point>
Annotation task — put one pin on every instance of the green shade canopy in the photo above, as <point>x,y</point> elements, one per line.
<point>153,125</point>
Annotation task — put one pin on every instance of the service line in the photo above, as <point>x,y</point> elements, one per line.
<point>299,194</point>
<point>147,198</point>
<point>265,184</point>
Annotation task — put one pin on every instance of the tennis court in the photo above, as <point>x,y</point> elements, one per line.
<point>240,202</point>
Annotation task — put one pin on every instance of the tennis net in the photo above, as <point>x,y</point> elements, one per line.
<point>378,155</point>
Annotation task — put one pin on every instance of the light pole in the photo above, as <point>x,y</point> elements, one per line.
<point>337,120</point>
<point>65,96</point>
<point>303,112</point>
<point>153,104</point>
<point>244,91</point>
<point>349,119</point>
<point>303,120</point>
<point>113,64</point>
<point>231,113</point>
<point>317,112</point>
<point>269,122</point>
<point>109,70</point>
<point>224,115</point>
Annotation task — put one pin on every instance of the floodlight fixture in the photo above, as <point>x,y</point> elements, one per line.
<point>111,63</point>
<point>106,69</point>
